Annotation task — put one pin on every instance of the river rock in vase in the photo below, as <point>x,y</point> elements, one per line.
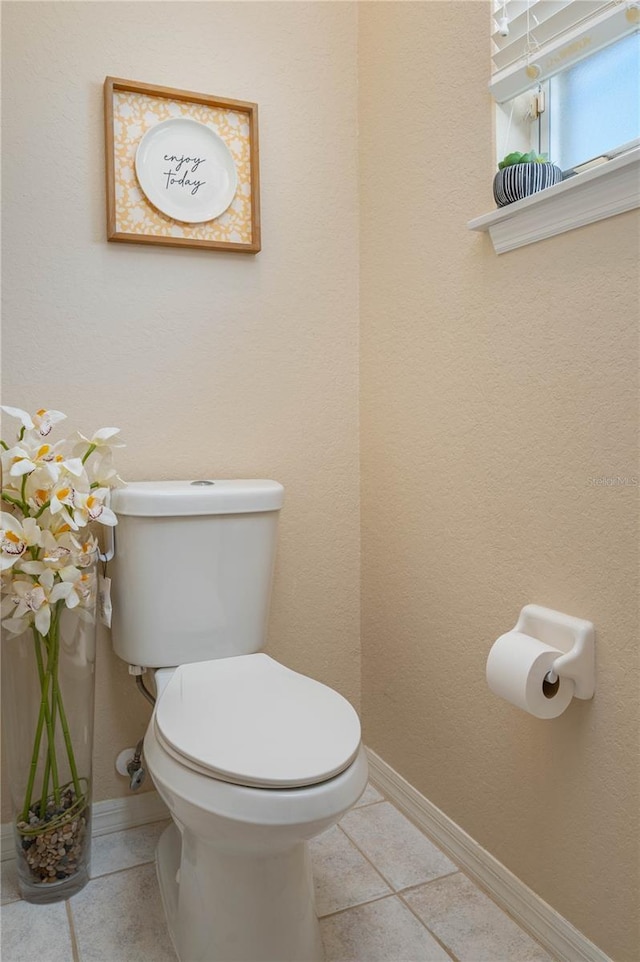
<point>55,843</point>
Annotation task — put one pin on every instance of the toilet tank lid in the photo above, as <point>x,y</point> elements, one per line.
<point>154,499</point>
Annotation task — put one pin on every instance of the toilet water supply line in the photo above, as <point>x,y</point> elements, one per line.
<point>135,767</point>
<point>145,691</point>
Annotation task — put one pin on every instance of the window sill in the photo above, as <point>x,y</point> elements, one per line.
<point>601,192</point>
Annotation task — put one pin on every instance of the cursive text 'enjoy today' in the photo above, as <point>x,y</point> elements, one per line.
<point>191,165</point>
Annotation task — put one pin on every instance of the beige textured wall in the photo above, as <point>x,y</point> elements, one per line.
<point>493,388</point>
<point>212,364</point>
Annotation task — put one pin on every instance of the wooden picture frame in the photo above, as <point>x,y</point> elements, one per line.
<point>132,108</point>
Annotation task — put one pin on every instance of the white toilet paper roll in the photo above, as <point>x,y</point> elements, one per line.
<point>516,668</point>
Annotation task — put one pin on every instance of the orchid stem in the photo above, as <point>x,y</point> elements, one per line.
<point>52,668</point>
<point>44,681</point>
<point>57,700</point>
<point>89,451</point>
<point>19,504</point>
<point>69,746</point>
<point>43,797</point>
<point>48,764</point>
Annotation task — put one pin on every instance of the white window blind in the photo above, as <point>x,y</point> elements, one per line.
<point>547,36</point>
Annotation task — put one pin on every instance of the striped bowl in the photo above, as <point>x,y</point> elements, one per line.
<point>520,180</point>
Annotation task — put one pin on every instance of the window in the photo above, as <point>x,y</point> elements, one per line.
<point>594,106</point>
<point>566,83</point>
<point>567,78</point>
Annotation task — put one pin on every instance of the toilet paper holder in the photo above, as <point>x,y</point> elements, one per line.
<point>573,636</point>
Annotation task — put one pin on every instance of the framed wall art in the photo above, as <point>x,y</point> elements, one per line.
<point>182,168</point>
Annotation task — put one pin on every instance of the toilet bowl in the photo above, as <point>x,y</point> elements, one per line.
<point>251,758</point>
<point>233,869</point>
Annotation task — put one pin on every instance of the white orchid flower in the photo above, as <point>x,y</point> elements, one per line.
<point>41,488</point>
<point>54,461</point>
<point>38,488</point>
<point>17,461</point>
<point>22,416</point>
<point>81,585</point>
<point>63,495</point>
<point>92,507</point>
<point>57,524</point>
<point>75,586</point>
<point>7,609</point>
<point>102,438</point>
<point>20,460</point>
<point>16,537</point>
<point>11,456</point>
<point>42,420</point>
<point>108,478</point>
<point>34,599</point>
<point>33,596</point>
<point>101,441</point>
<point>102,472</point>
<point>56,552</point>
<point>85,552</point>
<point>62,549</point>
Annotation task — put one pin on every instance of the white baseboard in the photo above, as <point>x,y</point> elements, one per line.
<point>111,815</point>
<point>561,939</point>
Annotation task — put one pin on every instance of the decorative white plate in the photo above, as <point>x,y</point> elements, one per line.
<point>186,170</point>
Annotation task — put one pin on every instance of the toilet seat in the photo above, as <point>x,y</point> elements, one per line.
<point>251,721</point>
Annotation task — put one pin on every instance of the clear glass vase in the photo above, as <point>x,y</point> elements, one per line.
<point>47,707</point>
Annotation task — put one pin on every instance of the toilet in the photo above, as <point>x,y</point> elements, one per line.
<point>251,758</point>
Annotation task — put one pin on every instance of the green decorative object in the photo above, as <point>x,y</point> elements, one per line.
<point>520,175</point>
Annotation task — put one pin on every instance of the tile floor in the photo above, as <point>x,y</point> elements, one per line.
<point>385,893</point>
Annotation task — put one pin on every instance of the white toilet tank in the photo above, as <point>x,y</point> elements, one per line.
<point>191,575</point>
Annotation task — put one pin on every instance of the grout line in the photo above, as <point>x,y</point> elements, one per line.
<point>433,935</point>
<point>393,895</point>
<point>359,905</point>
<point>487,894</point>
<point>436,845</point>
<point>404,888</point>
<point>118,871</point>
<point>459,869</point>
<point>378,898</point>
<point>407,888</point>
<point>72,932</point>
<point>437,878</point>
<point>376,801</point>
<point>367,859</point>
<point>398,892</point>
